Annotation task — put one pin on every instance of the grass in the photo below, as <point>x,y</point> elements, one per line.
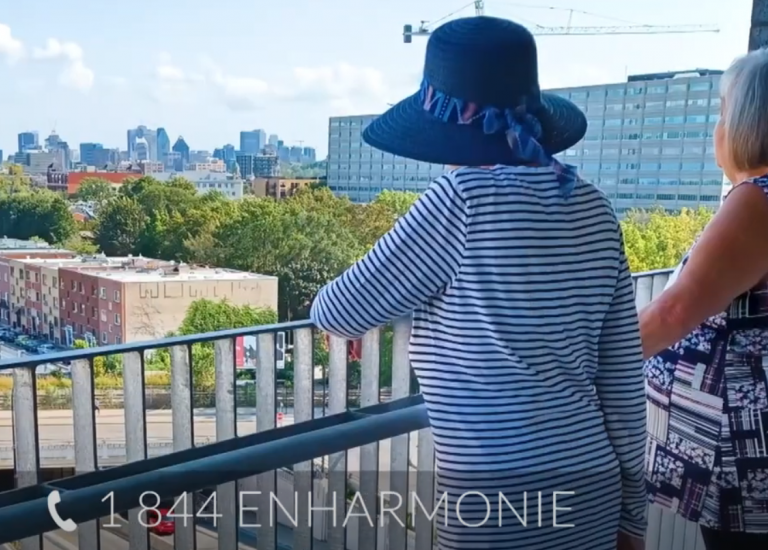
<point>105,382</point>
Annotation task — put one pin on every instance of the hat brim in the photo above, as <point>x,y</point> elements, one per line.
<point>408,130</point>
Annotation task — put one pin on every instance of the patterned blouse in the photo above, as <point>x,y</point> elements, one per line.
<point>707,397</point>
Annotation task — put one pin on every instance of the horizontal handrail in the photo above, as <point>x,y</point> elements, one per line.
<point>22,517</point>
<point>186,340</point>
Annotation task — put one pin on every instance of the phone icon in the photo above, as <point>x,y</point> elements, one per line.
<point>64,524</point>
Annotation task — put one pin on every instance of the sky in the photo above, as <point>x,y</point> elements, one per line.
<point>206,69</point>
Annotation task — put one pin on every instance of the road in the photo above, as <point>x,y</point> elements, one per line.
<point>56,431</point>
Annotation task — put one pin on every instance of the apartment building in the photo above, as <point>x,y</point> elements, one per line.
<point>145,299</point>
<point>15,285</point>
<point>649,143</point>
<point>280,188</point>
<point>65,297</point>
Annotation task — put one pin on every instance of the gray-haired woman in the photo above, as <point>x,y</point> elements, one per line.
<point>706,340</point>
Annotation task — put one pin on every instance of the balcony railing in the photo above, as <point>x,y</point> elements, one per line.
<point>325,446</point>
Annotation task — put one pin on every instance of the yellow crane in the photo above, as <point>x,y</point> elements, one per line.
<point>425,28</point>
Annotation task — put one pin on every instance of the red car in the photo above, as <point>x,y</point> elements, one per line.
<point>165,526</point>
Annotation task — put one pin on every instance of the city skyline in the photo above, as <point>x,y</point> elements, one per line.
<point>211,73</point>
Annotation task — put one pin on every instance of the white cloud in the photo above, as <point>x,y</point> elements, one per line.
<point>74,73</point>
<point>10,48</point>
<point>343,87</point>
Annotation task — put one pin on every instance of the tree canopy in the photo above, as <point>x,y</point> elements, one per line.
<point>27,212</point>
<point>95,189</point>
<point>656,240</point>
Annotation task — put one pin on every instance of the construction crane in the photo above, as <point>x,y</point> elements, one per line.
<point>425,28</point>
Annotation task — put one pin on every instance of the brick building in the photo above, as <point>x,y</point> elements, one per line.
<point>17,289</point>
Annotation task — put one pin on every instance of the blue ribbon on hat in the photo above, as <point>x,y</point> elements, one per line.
<point>522,129</point>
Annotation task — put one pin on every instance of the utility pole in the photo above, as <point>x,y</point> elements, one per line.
<point>758,31</point>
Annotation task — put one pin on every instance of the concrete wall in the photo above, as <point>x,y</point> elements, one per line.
<point>152,309</point>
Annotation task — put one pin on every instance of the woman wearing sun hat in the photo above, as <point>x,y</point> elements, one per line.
<point>525,338</point>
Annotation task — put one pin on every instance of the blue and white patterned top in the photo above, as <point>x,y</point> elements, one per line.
<point>525,342</point>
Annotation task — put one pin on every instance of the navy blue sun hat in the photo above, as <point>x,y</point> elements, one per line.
<point>480,103</point>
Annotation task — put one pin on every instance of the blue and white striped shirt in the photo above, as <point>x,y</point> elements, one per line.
<point>525,335</point>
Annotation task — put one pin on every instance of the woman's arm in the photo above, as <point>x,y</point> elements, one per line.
<point>730,258</point>
<point>417,259</point>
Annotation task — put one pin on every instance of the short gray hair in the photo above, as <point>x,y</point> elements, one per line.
<point>744,90</point>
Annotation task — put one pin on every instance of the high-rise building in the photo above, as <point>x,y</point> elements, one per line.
<point>94,154</point>
<point>649,143</point>
<point>252,142</point>
<point>54,144</point>
<point>150,139</point>
<point>182,149</point>
<point>163,146</point>
<point>28,140</point>
<point>308,155</point>
<point>273,139</point>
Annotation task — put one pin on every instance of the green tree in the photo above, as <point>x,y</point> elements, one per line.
<point>398,202</point>
<point>209,316</point>
<point>120,226</point>
<point>36,213</point>
<point>655,239</point>
<point>95,189</point>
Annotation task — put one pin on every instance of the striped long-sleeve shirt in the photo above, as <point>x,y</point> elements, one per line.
<point>525,335</point>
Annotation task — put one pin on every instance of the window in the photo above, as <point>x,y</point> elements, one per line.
<point>700,86</point>
<point>74,285</point>
<point>37,296</point>
<point>653,120</point>
<point>631,137</point>
<point>682,197</point>
<point>94,312</point>
<point>104,315</point>
<point>615,92</point>
<point>82,309</point>
<point>665,197</point>
<point>611,137</point>
<point>673,120</point>
<point>693,150</point>
<point>626,195</point>
<point>715,102</point>
<point>74,307</point>
<point>630,165</point>
<point>609,166</point>
<point>710,198</point>
<point>631,122</point>
<point>103,293</point>
<point>568,153</point>
<point>104,338</point>
<point>714,118</point>
<point>118,340</point>
<point>631,151</point>
<point>45,279</point>
<point>676,103</point>
<point>695,135</point>
<point>612,122</point>
<point>670,166</point>
<point>649,181</point>
<point>590,166</point>
<point>696,119</point>
<point>55,302</point>
<point>691,166</point>
<point>117,318</point>
<point>678,87</point>
<point>656,90</point>
<point>610,152</point>
<point>671,151</point>
<point>578,95</point>
<point>649,166</point>
<point>672,135</point>
<point>37,277</point>
<point>697,102</point>
<point>117,296</point>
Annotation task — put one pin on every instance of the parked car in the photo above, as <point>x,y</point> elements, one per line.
<point>165,525</point>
